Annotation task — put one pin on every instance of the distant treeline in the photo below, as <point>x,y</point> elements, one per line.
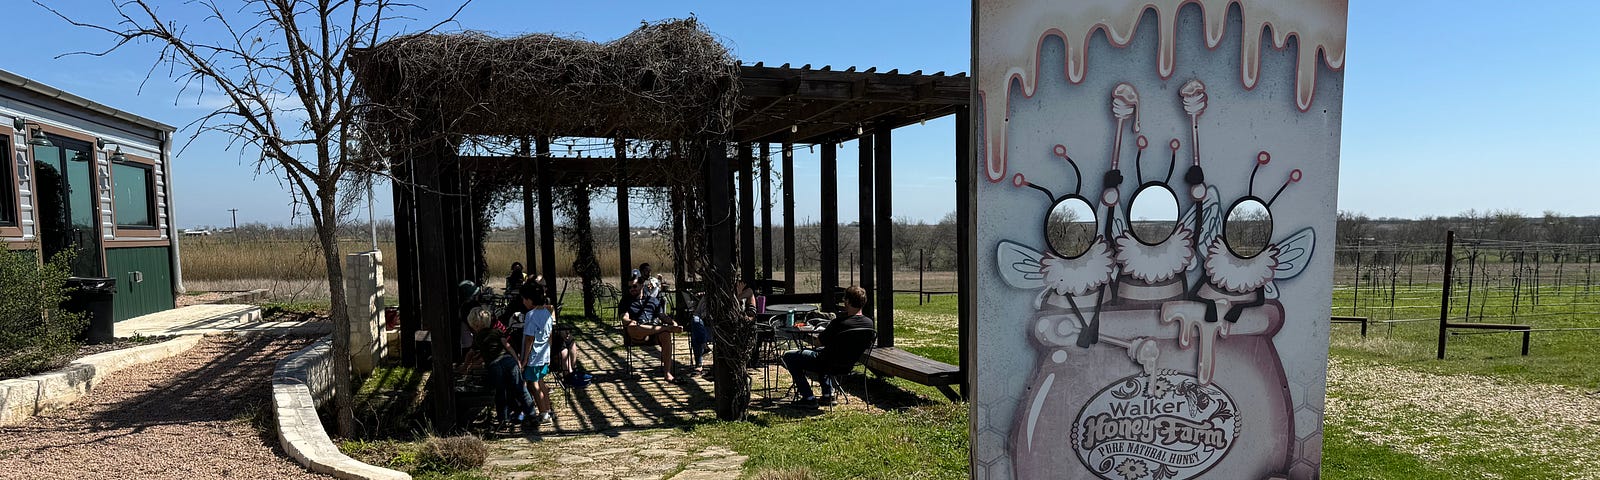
<point>1356,228</point>
<point>934,244</point>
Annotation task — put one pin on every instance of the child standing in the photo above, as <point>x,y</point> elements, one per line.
<point>538,323</point>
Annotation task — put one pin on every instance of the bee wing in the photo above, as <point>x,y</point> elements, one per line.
<point>1212,225</point>
<point>1019,265</point>
<point>1294,253</point>
<point>1270,290</point>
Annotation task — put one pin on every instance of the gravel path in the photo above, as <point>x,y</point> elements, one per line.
<point>1434,416</point>
<point>186,417</point>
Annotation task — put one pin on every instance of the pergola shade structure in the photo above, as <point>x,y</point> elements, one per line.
<point>668,84</point>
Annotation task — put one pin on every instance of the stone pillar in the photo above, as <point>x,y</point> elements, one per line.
<point>363,288</point>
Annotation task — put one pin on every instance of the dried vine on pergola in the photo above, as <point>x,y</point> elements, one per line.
<point>671,84</point>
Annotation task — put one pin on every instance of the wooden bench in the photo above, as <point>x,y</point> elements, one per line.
<point>1361,320</point>
<point>1527,330</point>
<point>894,362</point>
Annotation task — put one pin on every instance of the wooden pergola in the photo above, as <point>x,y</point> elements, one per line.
<point>777,106</point>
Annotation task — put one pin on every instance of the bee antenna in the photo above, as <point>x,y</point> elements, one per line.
<point>1138,164</point>
<point>1262,158</point>
<point>1019,181</point>
<point>1294,177</point>
<point>1061,151</point>
<point>1171,165</point>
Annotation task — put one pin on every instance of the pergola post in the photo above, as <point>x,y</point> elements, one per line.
<point>679,266</point>
<point>584,224</point>
<point>547,218</point>
<point>788,217</point>
<point>530,240</point>
<point>747,227</point>
<point>885,225</point>
<point>624,231</point>
<point>966,208</point>
<point>864,221</point>
<point>432,252</point>
<point>731,399</point>
<point>830,222</point>
<point>405,243</point>
<point>766,211</point>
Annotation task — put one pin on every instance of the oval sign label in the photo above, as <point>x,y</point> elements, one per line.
<point>1170,427</point>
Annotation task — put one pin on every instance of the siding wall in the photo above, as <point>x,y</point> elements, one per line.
<point>24,174</point>
<point>152,295</point>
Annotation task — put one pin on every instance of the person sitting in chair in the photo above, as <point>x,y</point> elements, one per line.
<point>644,324</point>
<point>842,344</point>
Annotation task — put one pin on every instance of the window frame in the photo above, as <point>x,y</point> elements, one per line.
<point>10,200</point>
<point>149,168</point>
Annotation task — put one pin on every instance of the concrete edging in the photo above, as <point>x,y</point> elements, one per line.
<point>302,381</point>
<point>22,398</point>
<point>247,296</point>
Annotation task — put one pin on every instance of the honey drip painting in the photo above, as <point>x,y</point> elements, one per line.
<point>1156,213</point>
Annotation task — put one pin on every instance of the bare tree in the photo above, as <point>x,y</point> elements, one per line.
<point>281,66</point>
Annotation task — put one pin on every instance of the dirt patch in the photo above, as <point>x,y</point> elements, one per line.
<point>87,350</point>
<point>195,416</point>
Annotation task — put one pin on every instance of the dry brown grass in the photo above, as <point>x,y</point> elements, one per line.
<point>222,258</point>
<point>465,452</point>
<point>787,474</point>
<point>293,270</point>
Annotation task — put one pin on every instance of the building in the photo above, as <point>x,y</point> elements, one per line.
<point>90,179</point>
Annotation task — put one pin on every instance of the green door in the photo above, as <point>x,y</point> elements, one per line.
<point>67,217</point>
<point>144,280</point>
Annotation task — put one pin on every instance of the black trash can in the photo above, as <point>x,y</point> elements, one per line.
<point>92,297</point>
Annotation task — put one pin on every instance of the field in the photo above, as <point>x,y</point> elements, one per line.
<point>1393,410</point>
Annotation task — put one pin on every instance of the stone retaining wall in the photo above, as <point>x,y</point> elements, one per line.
<point>245,297</point>
<point>22,398</point>
<point>303,381</point>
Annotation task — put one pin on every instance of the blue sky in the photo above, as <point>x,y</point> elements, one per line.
<point>1449,106</point>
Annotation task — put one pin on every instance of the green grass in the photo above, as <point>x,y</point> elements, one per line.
<point>1556,357</point>
<point>1347,457</point>
<point>924,443</point>
<point>403,456</point>
<point>929,440</point>
<point>1448,455</point>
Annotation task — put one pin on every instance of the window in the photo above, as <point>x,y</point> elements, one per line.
<point>8,184</point>
<point>133,195</point>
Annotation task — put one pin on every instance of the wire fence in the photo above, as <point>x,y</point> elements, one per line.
<point>1491,281</point>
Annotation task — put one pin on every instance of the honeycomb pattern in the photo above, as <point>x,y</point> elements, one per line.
<point>1308,400</point>
<point>990,459</point>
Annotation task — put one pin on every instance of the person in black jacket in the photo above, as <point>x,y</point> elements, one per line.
<point>842,343</point>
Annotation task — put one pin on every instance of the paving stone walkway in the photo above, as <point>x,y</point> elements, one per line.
<point>621,425</point>
<point>626,454</point>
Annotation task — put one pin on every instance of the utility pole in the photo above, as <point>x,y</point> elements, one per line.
<point>235,231</point>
